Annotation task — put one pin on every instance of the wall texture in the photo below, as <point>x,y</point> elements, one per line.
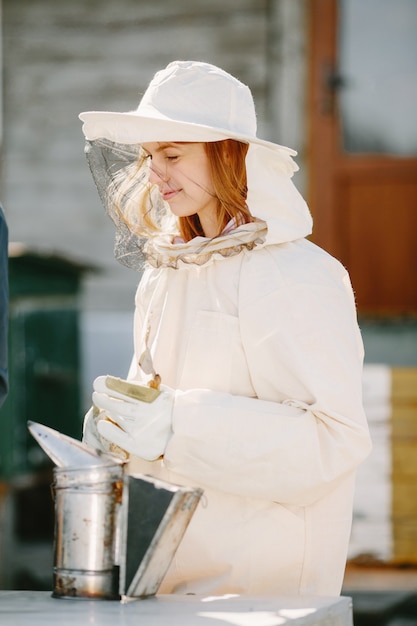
<point>61,58</point>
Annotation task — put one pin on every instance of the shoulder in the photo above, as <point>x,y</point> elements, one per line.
<point>153,282</point>
<point>3,238</point>
<point>3,224</point>
<point>293,267</point>
<point>297,261</point>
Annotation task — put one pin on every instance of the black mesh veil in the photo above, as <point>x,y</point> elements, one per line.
<point>121,175</point>
<point>147,232</point>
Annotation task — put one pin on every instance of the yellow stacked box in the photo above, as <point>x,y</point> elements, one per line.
<point>404,464</point>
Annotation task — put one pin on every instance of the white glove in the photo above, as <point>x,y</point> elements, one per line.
<point>92,437</point>
<point>134,417</point>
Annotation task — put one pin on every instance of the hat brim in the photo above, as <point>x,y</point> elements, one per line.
<point>132,128</point>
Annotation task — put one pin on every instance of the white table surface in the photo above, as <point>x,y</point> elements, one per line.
<point>38,608</point>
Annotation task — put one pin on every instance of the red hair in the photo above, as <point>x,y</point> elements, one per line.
<point>228,170</point>
<point>140,206</point>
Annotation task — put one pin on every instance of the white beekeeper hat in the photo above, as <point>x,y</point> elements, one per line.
<point>186,101</point>
<point>199,102</point>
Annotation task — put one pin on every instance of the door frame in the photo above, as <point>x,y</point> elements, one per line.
<point>330,169</point>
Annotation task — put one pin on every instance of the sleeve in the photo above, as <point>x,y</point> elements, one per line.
<point>4,303</point>
<point>306,430</point>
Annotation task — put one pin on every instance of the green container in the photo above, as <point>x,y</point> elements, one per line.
<point>44,357</point>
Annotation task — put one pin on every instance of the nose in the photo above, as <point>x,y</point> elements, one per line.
<point>156,175</point>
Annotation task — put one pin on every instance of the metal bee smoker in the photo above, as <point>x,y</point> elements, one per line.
<point>115,534</point>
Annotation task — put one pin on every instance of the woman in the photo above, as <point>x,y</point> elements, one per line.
<point>252,330</point>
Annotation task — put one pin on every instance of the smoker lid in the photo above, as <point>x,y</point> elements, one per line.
<point>66,451</point>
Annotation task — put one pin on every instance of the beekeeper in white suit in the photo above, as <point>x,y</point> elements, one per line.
<point>251,329</point>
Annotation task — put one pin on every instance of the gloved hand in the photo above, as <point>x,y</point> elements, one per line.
<point>92,437</point>
<point>134,417</point>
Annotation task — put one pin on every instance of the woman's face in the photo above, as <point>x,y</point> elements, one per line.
<point>182,173</point>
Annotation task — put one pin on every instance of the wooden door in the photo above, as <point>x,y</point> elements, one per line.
<point>363,146</point>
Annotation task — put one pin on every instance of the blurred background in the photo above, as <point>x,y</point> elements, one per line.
<point>334,79</point>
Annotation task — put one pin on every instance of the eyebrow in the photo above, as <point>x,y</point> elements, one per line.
<point>166,144</point>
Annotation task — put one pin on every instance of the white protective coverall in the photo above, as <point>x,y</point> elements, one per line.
<point>261,341</point>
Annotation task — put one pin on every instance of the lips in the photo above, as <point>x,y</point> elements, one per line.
<point>168,195</point>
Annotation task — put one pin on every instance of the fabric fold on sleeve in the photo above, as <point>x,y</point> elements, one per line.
<point>306,430</point>
<point>261,449</point>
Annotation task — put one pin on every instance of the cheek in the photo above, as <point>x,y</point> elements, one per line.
<point>206,184</point>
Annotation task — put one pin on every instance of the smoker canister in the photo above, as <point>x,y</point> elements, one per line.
<point>87,503</point>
